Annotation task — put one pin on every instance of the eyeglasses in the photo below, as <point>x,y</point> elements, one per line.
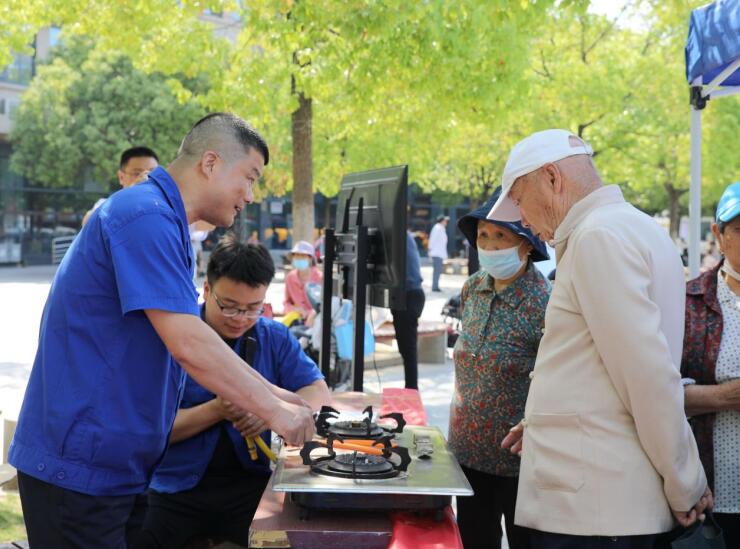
<point>231,312</point>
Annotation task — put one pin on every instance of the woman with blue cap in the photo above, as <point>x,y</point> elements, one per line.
<point>503,314</point>
<point>711,366</point>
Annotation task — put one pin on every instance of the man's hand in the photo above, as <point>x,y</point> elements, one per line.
<point>250,425</point>
<point>293,422</point>
<point>514,439</point>
<point>687,518</point>
<point>227,410</point>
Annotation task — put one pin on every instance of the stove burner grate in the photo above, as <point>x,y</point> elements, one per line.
<point>357,465</point>
<point>357,429</point>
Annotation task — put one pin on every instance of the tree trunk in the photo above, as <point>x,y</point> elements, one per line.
<point>303,221</point>
<point>674,195</point>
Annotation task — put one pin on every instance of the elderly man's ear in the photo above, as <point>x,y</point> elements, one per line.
<point>554,177</point>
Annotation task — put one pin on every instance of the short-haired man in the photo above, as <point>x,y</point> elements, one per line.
<point>104,388</point>
<point>607,451</point>
<point>133,168</point>
<point>208,485</point>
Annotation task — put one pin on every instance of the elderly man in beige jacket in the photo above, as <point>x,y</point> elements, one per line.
<point>607,453</point>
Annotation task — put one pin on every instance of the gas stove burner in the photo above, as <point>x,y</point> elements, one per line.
<point>356,429</point>
<point>356,464</point>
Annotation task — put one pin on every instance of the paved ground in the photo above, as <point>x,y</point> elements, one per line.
<point>23,292</point>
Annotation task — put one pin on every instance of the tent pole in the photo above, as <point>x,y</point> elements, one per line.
<point>724,92</point>
<point>721,77</point>
<point>695,193</point>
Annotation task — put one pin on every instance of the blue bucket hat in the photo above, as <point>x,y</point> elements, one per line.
<point>728,207</point>
<point>468,225</point>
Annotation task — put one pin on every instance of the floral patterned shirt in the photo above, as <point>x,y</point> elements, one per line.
<point>701,345</point>
<point>494,356</point>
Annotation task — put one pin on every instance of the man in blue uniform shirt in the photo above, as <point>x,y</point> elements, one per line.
<point>104,390</point>
<point>207,483</point>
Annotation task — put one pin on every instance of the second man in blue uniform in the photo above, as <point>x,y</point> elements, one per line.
<point>208,485</point>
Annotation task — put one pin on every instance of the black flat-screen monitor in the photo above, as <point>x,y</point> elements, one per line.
<point>382,195</point>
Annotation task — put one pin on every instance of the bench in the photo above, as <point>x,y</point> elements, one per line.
<point>455,265</point>
<point>431,340</point>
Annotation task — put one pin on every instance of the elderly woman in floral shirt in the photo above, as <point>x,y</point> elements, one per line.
<point>503,314</point>
<point>711,366</point>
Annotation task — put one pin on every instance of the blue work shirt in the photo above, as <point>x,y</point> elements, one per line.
<point>104,390</point>
<point>413,269</point>
<point>282,362</point>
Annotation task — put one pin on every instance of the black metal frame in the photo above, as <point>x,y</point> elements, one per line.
<point>349,250</point>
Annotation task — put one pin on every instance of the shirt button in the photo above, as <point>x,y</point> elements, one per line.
<point>531,375</point>
<point>41,466</point>
<point>524,422</point>
<point>61,475</point>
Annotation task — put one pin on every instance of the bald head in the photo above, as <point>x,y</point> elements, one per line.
<point>225,134</point>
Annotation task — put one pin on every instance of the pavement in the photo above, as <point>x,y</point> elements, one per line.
<point>23,292</point>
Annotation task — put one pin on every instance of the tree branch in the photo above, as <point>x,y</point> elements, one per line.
<point>582,127</point>
<point>545,71</point>
<point>601,36</point>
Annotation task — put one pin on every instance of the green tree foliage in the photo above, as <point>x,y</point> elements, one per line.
<point>447,87</point>
<point>84,108</point>
<point>621,87</point>
<point>367,83</point>
<point>335,86</point>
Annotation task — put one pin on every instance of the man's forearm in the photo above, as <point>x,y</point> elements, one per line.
<point>317,394</point>
<point>210,362</point>
<point>191,421</point>
<point>708,399</point>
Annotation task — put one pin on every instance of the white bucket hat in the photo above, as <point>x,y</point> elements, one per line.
<point>303,247</point>
<point>529,154</point>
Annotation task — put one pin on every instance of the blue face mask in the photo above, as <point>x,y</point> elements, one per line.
<point>501,264</point>
<point>301,264</point>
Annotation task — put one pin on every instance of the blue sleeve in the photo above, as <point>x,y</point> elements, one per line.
<point>151,266</point>
<point>295,369</point>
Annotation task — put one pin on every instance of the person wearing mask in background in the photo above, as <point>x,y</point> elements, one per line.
<point>711,366</point>
<point>304,271</point>
<point>438,249</point>
<point>208,485</point>
<point>406,322</point>
<point>104,388</point>
<point>134,167</point>
<point>608,458</point>
<point>503,313</point>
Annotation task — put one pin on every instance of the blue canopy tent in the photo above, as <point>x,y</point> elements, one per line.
<point>713,71</point>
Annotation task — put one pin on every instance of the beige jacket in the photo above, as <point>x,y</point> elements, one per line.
<point>607,448</point>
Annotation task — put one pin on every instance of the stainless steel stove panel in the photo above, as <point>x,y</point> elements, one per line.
<point>438,475</point>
